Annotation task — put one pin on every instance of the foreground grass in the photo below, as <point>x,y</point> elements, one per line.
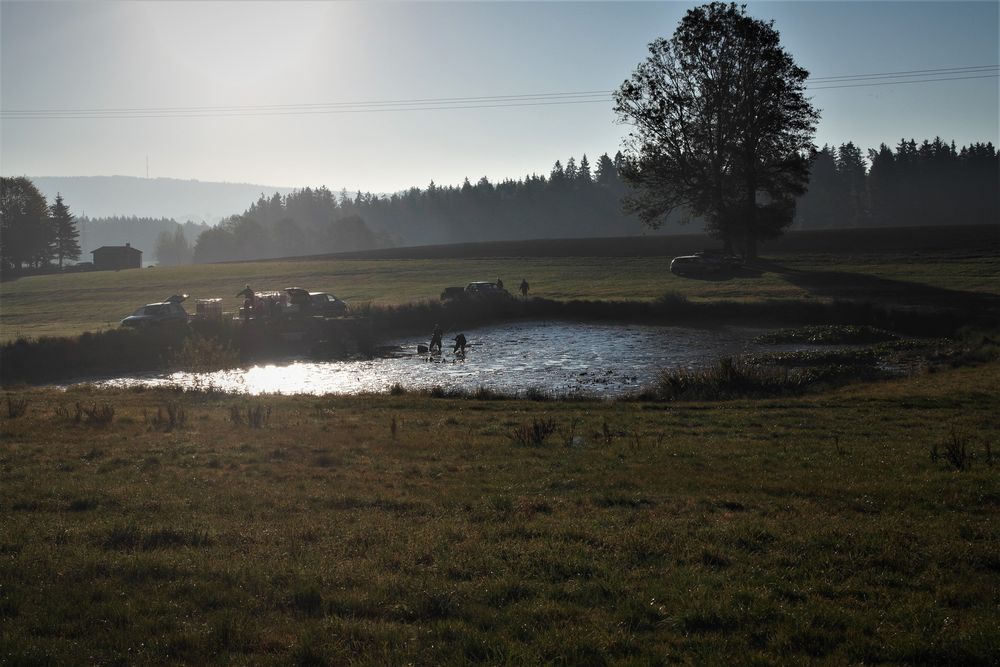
<point>67,305</point>
<point>395,529</point>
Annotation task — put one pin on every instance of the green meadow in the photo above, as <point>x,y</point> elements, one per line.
<point>859,526</point>
<point>70,304</point>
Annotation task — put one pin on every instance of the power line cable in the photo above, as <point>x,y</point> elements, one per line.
<point>441,100</point>
<point>893,83</point>
<point>605,99</point>
<point>459,103</point>
<point>912,72</point>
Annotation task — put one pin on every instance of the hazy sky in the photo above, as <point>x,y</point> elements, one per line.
<point>180,65</point>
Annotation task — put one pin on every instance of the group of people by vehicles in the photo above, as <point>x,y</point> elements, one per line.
<point>483,290</point>
<point>297,302</point>
<point>293,301</point>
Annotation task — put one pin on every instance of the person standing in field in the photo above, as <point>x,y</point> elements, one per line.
<point>248,302</point>
<point>524,288</point>
<point>459,344</point>
<point>499,283</point>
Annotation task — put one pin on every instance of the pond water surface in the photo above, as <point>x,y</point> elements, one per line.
<point>555,357</point>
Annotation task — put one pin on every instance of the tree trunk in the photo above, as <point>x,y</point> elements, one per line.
<point>750,219</point>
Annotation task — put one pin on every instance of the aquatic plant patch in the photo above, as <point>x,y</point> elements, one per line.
<point>830,334</point>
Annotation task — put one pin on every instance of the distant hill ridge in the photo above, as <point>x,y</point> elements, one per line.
<point>182,200</point>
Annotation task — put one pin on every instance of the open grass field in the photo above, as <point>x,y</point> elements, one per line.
<point>856,526</point>
<point>70,304</point>
<point>410,530</point>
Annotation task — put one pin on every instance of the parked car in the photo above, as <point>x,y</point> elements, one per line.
<point>168,311</point>
<point>314,303</point>
<point>705,263</point>
<point>485,290</point>
<point>476,290</point>
<point>453,293</point>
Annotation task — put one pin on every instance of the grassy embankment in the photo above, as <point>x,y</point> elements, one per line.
<point>407,529</point>
<point>398,297</point>
<point>70,304</point>
<point>67,305</point>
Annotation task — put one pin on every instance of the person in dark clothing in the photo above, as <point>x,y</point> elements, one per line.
<point>499,283</point>
<point>436,338</point>
<point>524,288</point>
<point>273,307</point>
<point>459,344</point>
<point>248,302</point>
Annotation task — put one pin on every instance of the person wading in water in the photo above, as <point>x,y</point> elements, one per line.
<point>436,338</point>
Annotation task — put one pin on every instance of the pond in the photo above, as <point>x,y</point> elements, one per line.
<point>560,358</point>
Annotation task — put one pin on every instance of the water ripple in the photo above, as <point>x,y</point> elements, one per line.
<point>558,357</point>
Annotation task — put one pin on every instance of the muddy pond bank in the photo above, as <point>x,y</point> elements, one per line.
<point>209,346</point>
<point>596,360</point>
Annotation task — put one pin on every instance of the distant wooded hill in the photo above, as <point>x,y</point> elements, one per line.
<point>128,196</point>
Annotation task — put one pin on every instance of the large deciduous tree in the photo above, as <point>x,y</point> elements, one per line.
<point>25,227</point>
<point>722,128</point>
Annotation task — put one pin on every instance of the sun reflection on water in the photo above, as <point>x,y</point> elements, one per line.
<point>555,357</point>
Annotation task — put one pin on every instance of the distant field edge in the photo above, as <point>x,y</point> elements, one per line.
<point>980,239</point>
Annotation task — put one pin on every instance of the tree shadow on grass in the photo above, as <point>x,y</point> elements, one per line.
<point>723,276</point>
<point>874,289</point>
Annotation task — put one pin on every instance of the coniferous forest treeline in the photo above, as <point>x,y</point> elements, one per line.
<point>575,200</point>
<point>932,183</point>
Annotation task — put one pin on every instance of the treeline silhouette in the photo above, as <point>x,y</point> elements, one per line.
<point>574,200</point>
<point>933,183</point>
<point>33,234</point>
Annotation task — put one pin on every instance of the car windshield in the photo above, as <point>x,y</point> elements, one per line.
<point>156,309</point>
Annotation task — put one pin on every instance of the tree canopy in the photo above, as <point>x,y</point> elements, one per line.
<point>32,234</point>
<point>721,127</point>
